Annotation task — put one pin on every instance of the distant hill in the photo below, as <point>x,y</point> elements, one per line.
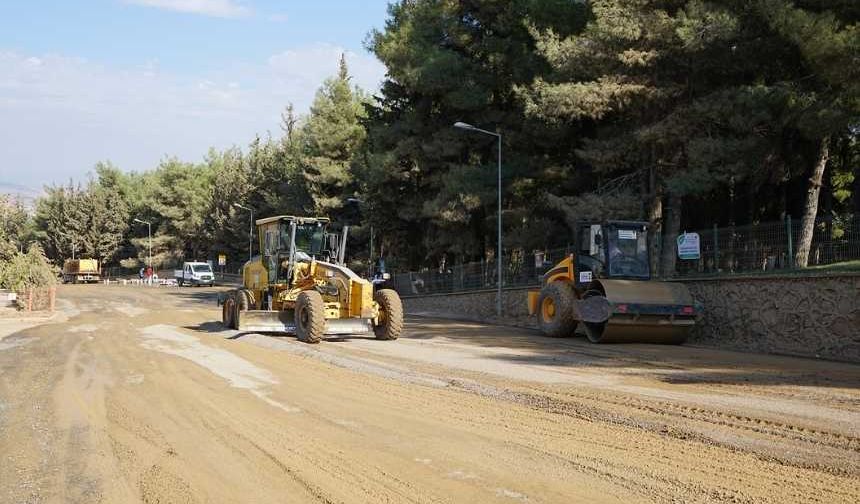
<point>26,195</point>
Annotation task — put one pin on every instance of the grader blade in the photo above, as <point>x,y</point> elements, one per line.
<point>266,321</point>
<point>644,312</point>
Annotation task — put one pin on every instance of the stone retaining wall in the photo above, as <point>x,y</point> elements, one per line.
<point>810,316</point>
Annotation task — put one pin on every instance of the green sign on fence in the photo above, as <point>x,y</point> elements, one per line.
<point>688,246</point>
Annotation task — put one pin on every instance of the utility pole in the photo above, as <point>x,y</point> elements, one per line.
<point>469,127</point>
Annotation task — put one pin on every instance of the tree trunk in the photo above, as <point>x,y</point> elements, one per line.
<point>671,228</point>
<point>810,209</point>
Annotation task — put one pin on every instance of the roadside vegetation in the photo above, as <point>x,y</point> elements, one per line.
<point>21,269</point>
<point>683,113</point>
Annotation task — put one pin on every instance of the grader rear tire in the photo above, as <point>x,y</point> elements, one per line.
<point>228,312</point>
<point>390,315</point>
<point>242,304</point>
<point>310,317</point>
<point>555,310</point>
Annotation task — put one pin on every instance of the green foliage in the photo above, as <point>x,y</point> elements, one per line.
<point>607,109</point>
<point>24,270</point>
<point>703,95</point>
<point>90,221</point>
<point>332,137</point>
<point>14,226</point>
<point>433,188</point>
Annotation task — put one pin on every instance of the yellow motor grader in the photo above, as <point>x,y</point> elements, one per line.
<point>300,285</point>
<point>606,288</point>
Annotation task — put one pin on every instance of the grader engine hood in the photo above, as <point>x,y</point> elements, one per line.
<point>358,295</point>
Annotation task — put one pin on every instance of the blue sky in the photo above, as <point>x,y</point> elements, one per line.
<point>133,81</point>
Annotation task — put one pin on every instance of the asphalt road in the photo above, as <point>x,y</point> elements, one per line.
<point>137,394</point>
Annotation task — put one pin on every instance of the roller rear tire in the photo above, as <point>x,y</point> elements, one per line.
<point>555,311</point>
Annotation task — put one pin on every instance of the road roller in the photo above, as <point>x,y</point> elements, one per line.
<point>605,289</point>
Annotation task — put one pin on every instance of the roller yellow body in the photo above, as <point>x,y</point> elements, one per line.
<point>623,307</point>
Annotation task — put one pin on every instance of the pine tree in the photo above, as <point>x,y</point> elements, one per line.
<point>332,136</point>
<point>434,187</point>
<point>635,73</point>
<point>826,87</point>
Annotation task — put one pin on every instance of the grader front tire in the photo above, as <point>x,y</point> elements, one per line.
<point>390,315</point>
<point>310,317</point>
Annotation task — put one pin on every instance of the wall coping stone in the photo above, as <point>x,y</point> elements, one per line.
<point>799,275</point>
<point>775,276</point>
<point>467,292</point>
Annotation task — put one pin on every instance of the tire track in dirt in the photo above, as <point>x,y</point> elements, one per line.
<point>661,417</point>
<point>593,407</point>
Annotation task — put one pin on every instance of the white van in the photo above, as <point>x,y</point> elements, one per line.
<point>194,273</point>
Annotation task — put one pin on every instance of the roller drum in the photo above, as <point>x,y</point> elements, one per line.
<point>642,312</point>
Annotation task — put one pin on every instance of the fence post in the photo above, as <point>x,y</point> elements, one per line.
<point>790,242</point>
<point>716,248</point>
<point>30,299</point>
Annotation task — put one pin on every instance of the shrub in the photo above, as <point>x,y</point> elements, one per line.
<point>23,271</point>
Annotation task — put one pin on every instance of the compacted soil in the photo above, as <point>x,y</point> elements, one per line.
<point>137,394</point>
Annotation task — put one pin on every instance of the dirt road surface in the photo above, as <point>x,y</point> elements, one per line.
<point>139,395</point>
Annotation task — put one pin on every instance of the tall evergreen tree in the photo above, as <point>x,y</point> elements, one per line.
<point>332,137</point>
<point>434,187</point>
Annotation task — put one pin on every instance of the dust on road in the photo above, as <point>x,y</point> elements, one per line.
<point>140,396</point>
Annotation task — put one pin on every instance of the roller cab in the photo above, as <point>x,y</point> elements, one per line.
<point>606,291</point>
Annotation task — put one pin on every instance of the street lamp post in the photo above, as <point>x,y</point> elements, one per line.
<point>149,236</point>
<point>250,229</point>
<point>469,127</point>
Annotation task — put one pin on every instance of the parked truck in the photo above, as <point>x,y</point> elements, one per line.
<point>81,271</point>
<point>194,273</point>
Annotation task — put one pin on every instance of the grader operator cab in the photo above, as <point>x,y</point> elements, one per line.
<point>607,287</point>
<point>299,284</point>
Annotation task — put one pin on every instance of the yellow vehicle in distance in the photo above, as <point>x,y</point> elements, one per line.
<point>81,271</point>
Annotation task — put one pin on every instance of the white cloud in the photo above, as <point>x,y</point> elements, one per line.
<point>215,8</point>
<point>60,115</point>
<point>278,18</point>
<point>309,66</point>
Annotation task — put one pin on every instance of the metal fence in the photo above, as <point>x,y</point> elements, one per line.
<point>519,270</point>
<point>770,248</point>
<point>757,249</point>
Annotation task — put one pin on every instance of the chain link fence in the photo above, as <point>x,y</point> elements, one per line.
<point>758,249</point>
